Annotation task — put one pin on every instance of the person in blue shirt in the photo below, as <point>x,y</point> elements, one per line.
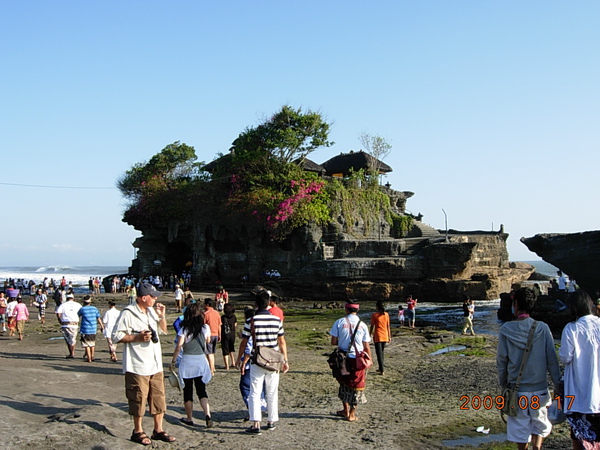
<point>89,321</point>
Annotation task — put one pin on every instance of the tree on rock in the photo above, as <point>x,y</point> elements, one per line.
<point>288,135</point>
<point>168,169</point>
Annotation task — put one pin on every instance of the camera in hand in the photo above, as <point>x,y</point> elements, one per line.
<point>154,337</point>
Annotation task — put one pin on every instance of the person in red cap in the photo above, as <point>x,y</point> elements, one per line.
<point>351,335</point>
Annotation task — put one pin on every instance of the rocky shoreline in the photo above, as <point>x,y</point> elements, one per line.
<point>50,402</point>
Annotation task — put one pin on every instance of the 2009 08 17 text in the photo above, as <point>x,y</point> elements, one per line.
<point>524,402</point>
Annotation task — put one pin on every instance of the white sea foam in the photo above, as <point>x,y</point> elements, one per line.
<point>77,275</point>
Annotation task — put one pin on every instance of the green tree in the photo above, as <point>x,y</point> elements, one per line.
<point>287,135</point>
<point>165,170</point>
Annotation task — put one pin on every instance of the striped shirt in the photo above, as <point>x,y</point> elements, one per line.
<point>267,329</point>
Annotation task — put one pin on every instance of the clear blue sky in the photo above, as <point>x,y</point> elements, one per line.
<point>492,107</point>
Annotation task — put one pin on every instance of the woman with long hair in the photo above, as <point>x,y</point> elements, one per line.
<point>580,353</point>
<point>228,332</point>
<point>193,367</point>
<point>380,332</point>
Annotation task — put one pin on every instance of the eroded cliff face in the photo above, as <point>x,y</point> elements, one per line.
<point>576,254</point>
<point>337,262</point>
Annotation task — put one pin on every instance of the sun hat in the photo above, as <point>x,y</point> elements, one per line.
<point>174,381</point>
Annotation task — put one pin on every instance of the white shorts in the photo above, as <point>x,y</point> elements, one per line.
<point>532,417</point>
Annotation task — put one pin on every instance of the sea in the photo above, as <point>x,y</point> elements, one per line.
<point>543,267</point>
<point>77,275</point>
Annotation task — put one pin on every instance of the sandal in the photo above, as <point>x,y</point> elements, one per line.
<point>341,413</point>
<point>187,422</point>
<point>162,436</point>
<point>140,438</point>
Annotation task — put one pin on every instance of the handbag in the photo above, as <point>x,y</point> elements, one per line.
<point>556,413</point>
<point>266,357</point>
<point>511,393</point>
<point>363,361</point>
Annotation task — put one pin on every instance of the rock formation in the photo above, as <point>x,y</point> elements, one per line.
<point>336,262</point>
<point>576,254</point>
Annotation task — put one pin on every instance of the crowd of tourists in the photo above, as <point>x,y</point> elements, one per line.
<point>526,355</point>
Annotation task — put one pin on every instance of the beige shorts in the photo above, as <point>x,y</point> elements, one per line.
<point>141,389</point>
<point>88,340</point>
<point>70,335</point>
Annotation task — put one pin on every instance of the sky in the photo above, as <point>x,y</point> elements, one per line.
<point>492,107</point>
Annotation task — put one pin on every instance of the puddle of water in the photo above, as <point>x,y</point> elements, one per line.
<point>475,440</point>
<point>450,348</point>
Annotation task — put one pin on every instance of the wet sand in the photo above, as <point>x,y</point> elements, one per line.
<point>49,402</point>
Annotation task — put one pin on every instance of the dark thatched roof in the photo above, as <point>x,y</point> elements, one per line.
<point>355,161</point>
<point>310,166</point>
<point>221,161</point>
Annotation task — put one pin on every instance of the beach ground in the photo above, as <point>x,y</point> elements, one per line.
<point>49,402</point>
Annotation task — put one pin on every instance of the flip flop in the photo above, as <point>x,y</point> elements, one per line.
<point>187,422</point>
<point>341,413</point>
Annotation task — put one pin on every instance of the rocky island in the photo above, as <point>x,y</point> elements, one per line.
<point>330,230</point>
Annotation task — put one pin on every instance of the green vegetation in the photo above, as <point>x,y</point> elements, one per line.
<point>260,180</point>
<point>310,327</point>
<point>358,197</point>
<point>400,225</point>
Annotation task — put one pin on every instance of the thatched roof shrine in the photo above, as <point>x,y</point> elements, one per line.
<point>344,163</point>
<point>310,166</point>
<point>220,161</point>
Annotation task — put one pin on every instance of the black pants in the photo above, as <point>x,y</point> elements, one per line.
<point>188,390</point>
<point>379,348</point>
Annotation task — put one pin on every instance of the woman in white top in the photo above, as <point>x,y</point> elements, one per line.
<point>580,353</point>
<point>193,367</point>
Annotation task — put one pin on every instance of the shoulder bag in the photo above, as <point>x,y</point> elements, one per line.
<point>266,357</point>
<point>511,393</point>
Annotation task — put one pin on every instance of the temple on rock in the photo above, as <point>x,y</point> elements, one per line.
<point>388,255</point>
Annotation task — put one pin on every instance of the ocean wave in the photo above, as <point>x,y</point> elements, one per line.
<point>55,269</point>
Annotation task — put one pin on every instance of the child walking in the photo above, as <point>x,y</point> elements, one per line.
<point>401,315</point>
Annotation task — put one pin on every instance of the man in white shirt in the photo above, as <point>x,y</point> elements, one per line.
<point>68,318</point>
<point>562,282</point>
<point>178,298</point>
<point>137,328</point>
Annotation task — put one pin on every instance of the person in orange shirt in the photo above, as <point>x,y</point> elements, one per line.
<point>381,332</point>
<point>213,319</point>
<point>273,308</point>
